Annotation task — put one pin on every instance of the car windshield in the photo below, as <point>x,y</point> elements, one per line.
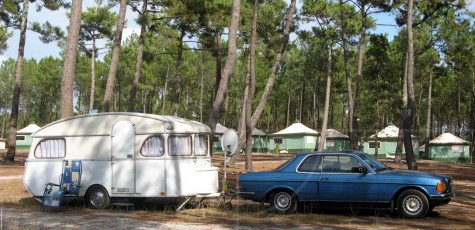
<point>373,163</point>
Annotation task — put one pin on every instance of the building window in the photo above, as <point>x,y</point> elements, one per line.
<point>201,145</point>
<point>374,144</point>
<point>179,145</point>
<point>457,149</point>
<point>20,138</point>
<point>152,147</point>
<point>216,138</point>
<point>330,143</point>
<point>278,140</point>
<point>51,148</point>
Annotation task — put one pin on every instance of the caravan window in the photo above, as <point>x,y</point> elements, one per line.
<point>201,145</point>
<point>51,148</point>
<point>179,145</point>
<point>153,147</point>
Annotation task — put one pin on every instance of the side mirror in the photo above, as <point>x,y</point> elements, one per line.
<point>361,169</point>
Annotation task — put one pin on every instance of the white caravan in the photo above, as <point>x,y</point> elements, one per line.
<point>126,155</point>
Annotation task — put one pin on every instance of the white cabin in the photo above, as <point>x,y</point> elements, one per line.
<point>127,155</point>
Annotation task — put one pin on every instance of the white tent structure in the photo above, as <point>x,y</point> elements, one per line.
<point>295,138</point>
<point>23,136</point>
<point>448,147</point>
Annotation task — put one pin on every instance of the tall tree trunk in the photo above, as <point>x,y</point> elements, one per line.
<point>218,62</point>
<point>138,62</point>
<point>323,135</point>
<point>289,97</point>
<point>221,94</point>
<point>278,60</point>
<point>359,79</point>
<point>177,91</point>
<point>252,83</point>
<point>164,92</point>
<point>409,111</point>
<point>11,141</point>
<point>346,57</point>
<point>201,93</point>
<point>429,111</point>
<point>111,78</point>
<point>93,75</point>
<point>67,81</point>
<point>271,80</point>
<point>4,113</point>
<point>242,119</point>
<point>472,120</point>
<point>400,139</point>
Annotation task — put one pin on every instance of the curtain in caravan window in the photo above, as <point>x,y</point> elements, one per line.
<point>201,145</point>
<point>179,145</point>
<point>153,147</point>
<point>51,148</point>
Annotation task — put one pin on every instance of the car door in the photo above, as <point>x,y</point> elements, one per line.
<point>340,180</point>
<point>306,178</point>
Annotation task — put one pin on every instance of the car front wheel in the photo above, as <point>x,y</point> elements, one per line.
<point>413,204</point>
<point>283,202</point>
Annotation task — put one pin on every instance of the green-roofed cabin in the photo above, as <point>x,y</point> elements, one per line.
<point>3,143</point>
<point>386,141</point>
<point>293,139</point>
<point>450,148</point>
<point>336,141</point>
<point>23,136</point>
<point>218,135</point>
<point>259,141</point>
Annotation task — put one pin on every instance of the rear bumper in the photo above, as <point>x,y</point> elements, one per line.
<point>246,195</point>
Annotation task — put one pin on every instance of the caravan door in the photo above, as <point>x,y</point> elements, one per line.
<point>123,157</point>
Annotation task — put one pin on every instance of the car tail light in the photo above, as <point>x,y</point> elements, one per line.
<point>441,186</point>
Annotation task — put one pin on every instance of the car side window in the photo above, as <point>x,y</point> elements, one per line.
<point>348,164</point>
<point>311,164</point>
<point>340,164</point>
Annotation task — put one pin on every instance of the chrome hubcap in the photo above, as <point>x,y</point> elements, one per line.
<point>412,205</point>
<point>282,201</point>
<point>97,198</point>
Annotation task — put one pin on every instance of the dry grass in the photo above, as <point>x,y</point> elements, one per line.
<point>457,215</point>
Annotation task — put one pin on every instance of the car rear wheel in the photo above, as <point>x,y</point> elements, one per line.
<point>413,204</point>
<point>283,202</point>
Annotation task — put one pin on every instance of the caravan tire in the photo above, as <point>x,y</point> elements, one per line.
<point>97,197</point>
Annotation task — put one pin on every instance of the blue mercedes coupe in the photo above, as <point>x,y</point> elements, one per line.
<point>346,178</point>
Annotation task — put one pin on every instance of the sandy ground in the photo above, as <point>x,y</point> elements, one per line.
<point>18,210</point>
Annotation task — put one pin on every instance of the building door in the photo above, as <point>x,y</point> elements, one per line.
<point>123,157</point>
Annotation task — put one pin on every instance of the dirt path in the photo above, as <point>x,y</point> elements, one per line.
<point>18,210</point>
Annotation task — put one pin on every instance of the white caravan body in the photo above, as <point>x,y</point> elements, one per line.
<point>128,155</point>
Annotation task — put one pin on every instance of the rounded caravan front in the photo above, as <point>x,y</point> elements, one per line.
<point>128,155</point>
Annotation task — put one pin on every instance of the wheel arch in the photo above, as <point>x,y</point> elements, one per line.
<point>402,189</point>
<point>276,189</point>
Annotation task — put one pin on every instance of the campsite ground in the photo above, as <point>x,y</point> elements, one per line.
<point>18,210</point>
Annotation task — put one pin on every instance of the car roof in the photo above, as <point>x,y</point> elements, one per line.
<point>350,152</point>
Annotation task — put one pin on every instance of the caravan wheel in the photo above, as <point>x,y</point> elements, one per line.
<point>97,197</point>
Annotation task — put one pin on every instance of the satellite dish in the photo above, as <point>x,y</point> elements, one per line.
<point>229,142</point>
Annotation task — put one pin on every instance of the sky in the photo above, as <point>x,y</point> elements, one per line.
<point>36,49</point>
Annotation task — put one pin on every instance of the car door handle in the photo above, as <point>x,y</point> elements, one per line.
<point>323,179</point>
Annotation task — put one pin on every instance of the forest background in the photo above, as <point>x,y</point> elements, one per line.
<point>185,47</point>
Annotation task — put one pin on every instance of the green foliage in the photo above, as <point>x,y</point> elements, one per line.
<point>443,42</point>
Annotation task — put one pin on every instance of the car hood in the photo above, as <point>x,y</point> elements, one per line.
<point>409,176</point>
